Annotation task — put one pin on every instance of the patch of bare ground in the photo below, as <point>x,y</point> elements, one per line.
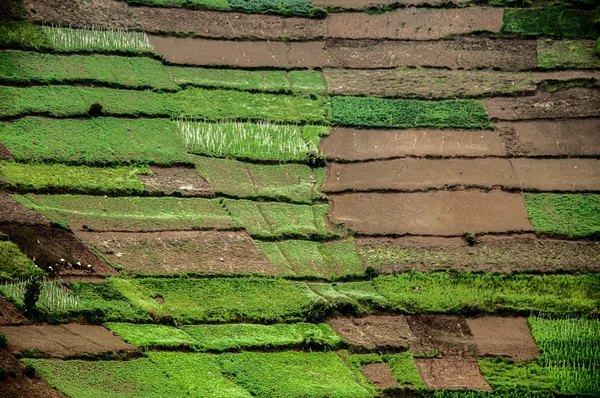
<point>419,174</point>
<point>502,254</point>
<point>444,334</point>
<point>461,53</point>
<point>64,340</point>
<point>359,144</point>
<point>427,83</point>
<point>5,153</point>
<point>228,24</point>
<point>573,102</point>
<point>451,373</point>
<point>206,252</point>
<point>22,386</point>
<point>12,211</point>
<point>415,23</point>
<point>581,175</point>
<point>439,213</point>
<point>379,374</point>
<point>357,4</point>
<point>570,137</point>
<point>104,13</point>
<point>503,336</point>
<point>169,180</point>
<point>46,246</point>
<point>10,314</point>
<point>374,332</point>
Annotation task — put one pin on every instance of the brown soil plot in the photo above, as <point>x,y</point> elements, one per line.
<point>448,335</point>
<point>451,373</point>
<point>22,386</point>
<point>10,314</point>
<point>379,374</point>
<point>168,180</point>
<point>503,336</point>
<point>12,211</point>
<point>5,153</point>
<point>558,174</point>
<point>356,4</point>
<point>445,213</point>
<point>375,331</point>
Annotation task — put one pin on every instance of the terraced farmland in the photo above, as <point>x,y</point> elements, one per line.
<point>299,199</point>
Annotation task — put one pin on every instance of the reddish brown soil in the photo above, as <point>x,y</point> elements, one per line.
<point>63,340</point>
<point>175,252</point>
<point>558,174</point>
<point>355,4</point>
<point>420,174</point>
<point>462,53</point>
<point>503,336</point>
<point>13,211</point>
<point>22,386</point>
<point>354,144</point>
<point>379,374</point>
<point>105,13</point>
<point>415,23</point>
<point>444,213</point>
<point>447,335</point>
<point>451,373</point>
<point>578,137</point>
<point>47,245</point>
<point>375,331</point>
<point>574,102</point>
<point>169,180</point>
<point>427,84</point>
<point>10,314</point>
<point>228,24</point>
<point>5,153</point>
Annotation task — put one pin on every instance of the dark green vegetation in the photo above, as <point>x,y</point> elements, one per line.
<point>508,377</point>
<point>14,264</point>
<point>564,54</point>
<point>286,7</point>
<point>555,21</point>
<point>573,216</point>
<point>375,112</point>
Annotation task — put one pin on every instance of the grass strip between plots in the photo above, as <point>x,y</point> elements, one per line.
<point>553,21</point>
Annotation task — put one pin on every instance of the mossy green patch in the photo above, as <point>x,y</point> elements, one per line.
<point>554,21</point>
<point>503,375</point>
<point>14,264</point>
<point>567,54</point>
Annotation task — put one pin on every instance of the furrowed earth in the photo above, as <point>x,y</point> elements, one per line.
<point>299,199</point>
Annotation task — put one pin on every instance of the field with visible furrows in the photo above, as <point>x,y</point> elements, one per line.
<point>299,198</point>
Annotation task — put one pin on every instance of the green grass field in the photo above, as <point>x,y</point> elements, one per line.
<point>14,264</point>
<point>552,21</point>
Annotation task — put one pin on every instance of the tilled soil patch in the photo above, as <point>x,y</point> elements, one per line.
<point>451,373</point>
<point>12,211</point>
<point>574,102</point>
<point>444,334</point>
<point>420,174</point>
<point>415,23</point>
<point>379,374</point>
<point>503,336</point>
<point>558,174</point>
<point>46,246</point>
<point>359,144</point>
<point>383,332</point>
<point>179,252</point>
<point>570,137</point>
<point>442,213</point>
<point>63,340</point>
<point>22,386</point>
<point>168,180</point>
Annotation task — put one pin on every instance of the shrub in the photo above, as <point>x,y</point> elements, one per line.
<point>2,341</point>
<point>29,371</point>
<point>33,289</point>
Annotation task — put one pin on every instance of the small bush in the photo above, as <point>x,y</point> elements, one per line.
<point>2,373</point>
<point>2,341</point>
<point>29,371</point>
<point>12,373</point>
<point>33,289</point>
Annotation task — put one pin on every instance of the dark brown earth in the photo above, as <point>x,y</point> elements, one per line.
<point>379,374</point>
<point>568,137</point>
<point>414,23</point>
<point>361,144</point>
<point>382,332</point>
<point>207,252</point>
<point>12,211</point>
<point>503,336</point>
<point>355,4</point>
<point>63,340</point>
<point>22,386</point>
<point>443,334</point>
<point>427,84</point>
<point>10,314</point>
<point>5,153</point>
<point>46,245</point>
<point>451,373</point>
<point>573,102</point>
<point>442,213</point>
<point>228,24</point>
<point>411,174</point>
<point>518,253</point>
<point>168,180</point>
<point>558,174</point>
<point>77,13</point>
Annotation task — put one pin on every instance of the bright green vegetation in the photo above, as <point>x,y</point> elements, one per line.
<point>376,112</point>
<point>509,377</point>
<point>73,179</point>
<point>268,220</point>
<point>567,54</point>
<point>52,297</point>
<point>116,71</point>
<point>198,374</point>
<point>574,216</point>
<point>300,258</point>
<point>292,374</point>
<point>223,299</point>
<point>289,182</point>
<point>191,4</point>
<point>69,101</point>
<point>228,337</point>
<point>97,141</point>
<point>555,21</point>
<point>254,141</point>
<point>22,35</point>
<point>130,213</point>
<point>108,379</point>
<point>306,81</point>
<point>14,264</point>
<point>286,7</point>
<point>403,368</point>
